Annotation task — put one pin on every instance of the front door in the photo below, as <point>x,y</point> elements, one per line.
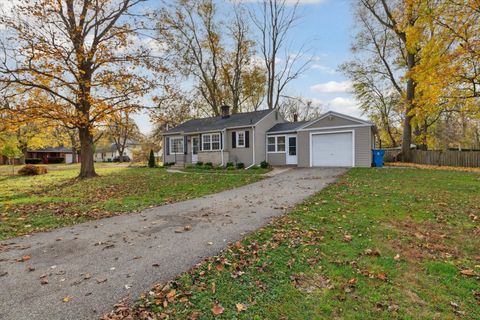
<point>195,141</point>
<point>292,150</point>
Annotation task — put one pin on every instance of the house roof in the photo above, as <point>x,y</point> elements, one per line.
<point>51,149</point>
<point>286,126</point>
<point>113,147</point>
<point>219,123</point>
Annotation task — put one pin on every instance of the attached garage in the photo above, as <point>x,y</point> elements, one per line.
<point>331,140</point>
<point>332,149</point>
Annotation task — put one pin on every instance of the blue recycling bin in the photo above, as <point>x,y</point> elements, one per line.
<point>378,157</point>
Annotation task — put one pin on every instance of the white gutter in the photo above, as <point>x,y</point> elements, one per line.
<point>253,146</point>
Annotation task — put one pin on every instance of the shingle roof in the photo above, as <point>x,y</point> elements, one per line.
<point>219,123</point>
<point>56,149</point>
<point>286,126</point>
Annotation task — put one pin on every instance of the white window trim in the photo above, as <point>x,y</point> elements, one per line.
<point>276,143</point>
<point>333,132</point>
<point>238,145</point>
<point>211,141</point>
<point>171,145</point>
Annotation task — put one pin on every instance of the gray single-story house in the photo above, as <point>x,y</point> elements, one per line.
<point>333,139</point>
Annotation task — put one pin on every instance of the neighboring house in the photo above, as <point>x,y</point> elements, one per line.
<point>109,153</point>
<point>333,139</point>
<point>54,154</point>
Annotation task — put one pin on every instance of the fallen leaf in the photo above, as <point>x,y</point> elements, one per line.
<point>23,259</point>
<point>209,243</point>
<point>67,299</point>
<point>216,310</point>
<point>194,315</point>
<point>382,276</point>
<point>347,238</point>
<point>397,257</point>
<point>2,274</point>
<point>31,269</point>
<point>468,272</point>
<point>101,280</point>
<point>187,228</point>
<point>171,293</point>
<point>44,281</point>
<point>240,307</point>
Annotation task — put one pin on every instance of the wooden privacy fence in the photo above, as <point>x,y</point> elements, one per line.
<point>441,158</point>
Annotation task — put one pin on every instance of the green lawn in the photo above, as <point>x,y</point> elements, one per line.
<point>378,244</point>
<point>30,204</point>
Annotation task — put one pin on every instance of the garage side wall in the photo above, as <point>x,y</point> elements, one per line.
<point>363,145</point>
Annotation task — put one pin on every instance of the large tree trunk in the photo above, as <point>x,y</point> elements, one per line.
<point>407,127</point>
<point>74,155</point>
<point>87,169</point>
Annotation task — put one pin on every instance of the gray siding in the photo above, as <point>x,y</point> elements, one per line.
<point>332,121</point>
<point>243,154</point>
<point>261,132</point>
<point>277,159</point>
<point>178,158</point>
<point>363,145</point>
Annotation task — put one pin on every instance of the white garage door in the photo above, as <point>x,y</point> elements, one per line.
<point>332,150</point>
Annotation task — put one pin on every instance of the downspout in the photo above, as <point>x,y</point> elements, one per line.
<point>223,145</point>
<point>253,146</point>
<point>266,148</point>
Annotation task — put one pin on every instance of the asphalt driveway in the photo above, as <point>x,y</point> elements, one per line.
<point>79,272</point>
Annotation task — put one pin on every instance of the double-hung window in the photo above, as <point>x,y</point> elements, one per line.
<point>240,139</point>
<point>176,145</point>
<point>276,144</point>
<point>211,142</point>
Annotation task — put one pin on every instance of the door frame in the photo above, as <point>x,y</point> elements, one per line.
<point>288,158</point>
<point>195,155</point>
<point>332,132</point>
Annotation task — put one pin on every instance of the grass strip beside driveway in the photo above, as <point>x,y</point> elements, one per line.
<point>378,244</point>
<point>38,203</point>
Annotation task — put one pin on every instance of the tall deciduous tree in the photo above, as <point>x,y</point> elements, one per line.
<point>299,109</point>
<point>399,21</point>
<point>243,79</point>
<point>79,61</point>
<point>275,21</point>
<point>215,54</point>
<point>122,129</point>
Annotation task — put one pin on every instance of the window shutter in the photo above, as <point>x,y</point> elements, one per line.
<point>247,139</point>
<point>234,139</point>
<point>221,140</point>
<point>167,145</point>
<point>185,144</point>
<point>200,143</point>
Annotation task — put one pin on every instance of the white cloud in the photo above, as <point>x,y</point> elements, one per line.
<point>344,105</point>
<point>332,87</point>
<point>322,68</point>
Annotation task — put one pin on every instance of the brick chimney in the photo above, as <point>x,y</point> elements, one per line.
<point>295,117</point>
<point>225,111</point>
